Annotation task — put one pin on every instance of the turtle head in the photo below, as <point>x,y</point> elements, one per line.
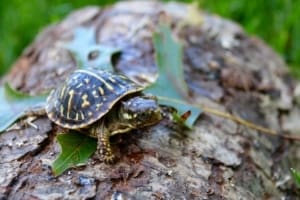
<point>140,111</point>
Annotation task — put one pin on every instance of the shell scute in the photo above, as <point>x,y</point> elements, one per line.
<point>86,96</point>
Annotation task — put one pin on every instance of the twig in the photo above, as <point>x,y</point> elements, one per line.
<point>248,124</point>
<point>235,119</point>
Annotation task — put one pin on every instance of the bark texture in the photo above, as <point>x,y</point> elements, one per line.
<point>219,159</point>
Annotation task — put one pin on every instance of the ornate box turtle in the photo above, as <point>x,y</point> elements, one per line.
<point>101,104</point>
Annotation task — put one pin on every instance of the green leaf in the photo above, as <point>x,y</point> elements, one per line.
<point>296,176</point>
<point>88,53</point>
<point>15,105</point>
<point>170,86</point>
<point>76,150</point>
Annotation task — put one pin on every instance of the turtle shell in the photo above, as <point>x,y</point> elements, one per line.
<point>86,96</point>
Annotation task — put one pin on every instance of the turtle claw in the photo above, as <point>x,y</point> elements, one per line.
<point>109,159</point>
<point>106,158</point>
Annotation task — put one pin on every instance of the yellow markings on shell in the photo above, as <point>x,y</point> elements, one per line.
<point>77,117</point>
<point>110,87</point>
<point>90,114</point>
<point>121,85</point>
<point>123,77</point>
<point>95,94</point>
<point>62,92</point>
<point>82,115</point>
<point>86,80</point>
<point>79,85</point>
<point>98,106</point>
<point>85,102</point>
<point>71,95</point>
<point>111,79</point>
<point>101,91</point>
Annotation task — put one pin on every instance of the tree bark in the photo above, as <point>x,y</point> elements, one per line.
<point>218,159</point>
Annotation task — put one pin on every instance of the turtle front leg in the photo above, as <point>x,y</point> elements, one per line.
<point>104,150</point>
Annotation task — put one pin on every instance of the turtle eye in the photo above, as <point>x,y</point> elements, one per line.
<point>144,116</point>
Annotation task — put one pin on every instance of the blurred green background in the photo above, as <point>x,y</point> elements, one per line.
<point>275,21</point>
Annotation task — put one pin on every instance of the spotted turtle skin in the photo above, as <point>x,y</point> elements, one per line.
<point>86,96</point>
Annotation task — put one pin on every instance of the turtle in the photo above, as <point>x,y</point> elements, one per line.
<point>101,104</point>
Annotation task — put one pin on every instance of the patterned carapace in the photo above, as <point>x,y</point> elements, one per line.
<point>86,96</point>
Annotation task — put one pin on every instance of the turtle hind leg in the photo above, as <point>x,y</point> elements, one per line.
<point>104,150</point>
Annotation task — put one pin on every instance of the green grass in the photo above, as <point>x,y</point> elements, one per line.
<point>20,22</point>
<point>275,21</point>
